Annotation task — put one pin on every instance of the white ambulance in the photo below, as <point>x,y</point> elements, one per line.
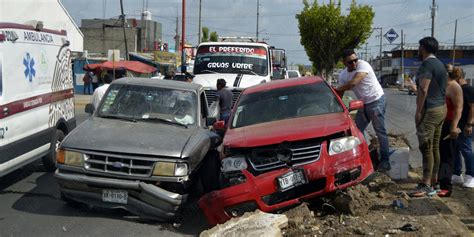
<point>36,94</point>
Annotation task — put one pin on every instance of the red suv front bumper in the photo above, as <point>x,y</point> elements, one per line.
<point>327,174</point>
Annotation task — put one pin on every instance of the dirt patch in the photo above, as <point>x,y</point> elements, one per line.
<point>394,140</point>
<point>381,206</point>
<point>354,201</point>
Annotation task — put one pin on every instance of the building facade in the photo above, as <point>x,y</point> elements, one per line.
<point>392,61</point>
<point>101,35</point>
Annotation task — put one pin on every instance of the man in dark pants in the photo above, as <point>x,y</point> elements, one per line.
<point>464,141</point>
<point>430,112</point>
<point>224,97</point>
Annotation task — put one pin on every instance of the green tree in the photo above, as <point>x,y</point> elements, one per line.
<point>205,34</point>
<point>325,32</point>
<point>301,69</point>
<point>213,37</point>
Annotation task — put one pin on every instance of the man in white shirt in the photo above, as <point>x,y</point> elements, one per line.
<point>359,77</point>
<point>100,91</point>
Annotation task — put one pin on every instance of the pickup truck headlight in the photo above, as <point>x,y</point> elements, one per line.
<point>340,145</point>
<point>170,169</point>
<point>233,163</point>
<point>70,158</point>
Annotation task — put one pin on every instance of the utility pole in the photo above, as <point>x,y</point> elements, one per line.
<point>403,62</point>
<point>258,15</point>
<point>380,52</point>
<point>199,27</point>
<point>176,38</point>
<point>433,15</point>
<point>124,32</point>
<point>183,33</point>
<point>454,43</point>
<point>366,53</point>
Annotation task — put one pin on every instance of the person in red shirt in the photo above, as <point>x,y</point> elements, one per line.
<point>449,133</point>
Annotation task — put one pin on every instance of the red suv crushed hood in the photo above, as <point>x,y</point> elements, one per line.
<point>287,130</point>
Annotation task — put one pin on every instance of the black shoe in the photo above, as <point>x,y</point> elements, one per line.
<point>384,166</point>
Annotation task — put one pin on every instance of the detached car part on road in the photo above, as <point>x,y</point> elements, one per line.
<point>143,149</point>
<point>286,141</point>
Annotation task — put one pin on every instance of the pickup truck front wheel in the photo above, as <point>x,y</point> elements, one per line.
<point>209,171</point>
<point>49,161</point>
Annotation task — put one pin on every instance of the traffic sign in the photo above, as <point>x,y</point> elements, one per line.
<point>391,35</point>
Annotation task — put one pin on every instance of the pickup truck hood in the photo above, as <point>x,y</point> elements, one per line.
<point>287,130</point>
<point>119,136</point>
<point>232,80</point>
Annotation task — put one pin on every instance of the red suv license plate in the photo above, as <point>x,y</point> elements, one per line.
<point>291,179</point>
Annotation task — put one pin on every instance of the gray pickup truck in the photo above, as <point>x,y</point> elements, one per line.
<point>143,149</point>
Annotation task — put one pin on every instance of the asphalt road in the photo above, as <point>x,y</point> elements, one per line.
<point>30,203</point>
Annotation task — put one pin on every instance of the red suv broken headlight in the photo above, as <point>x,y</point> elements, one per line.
<point>340,145</point>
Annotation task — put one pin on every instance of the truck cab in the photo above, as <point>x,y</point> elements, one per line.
<point>240,64</point>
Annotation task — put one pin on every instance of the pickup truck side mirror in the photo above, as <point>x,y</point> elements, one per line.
<point>210,121</point>
<point>89,108</point>
<point>355,105</point>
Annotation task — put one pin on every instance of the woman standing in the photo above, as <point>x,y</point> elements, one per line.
<point>449,132</point>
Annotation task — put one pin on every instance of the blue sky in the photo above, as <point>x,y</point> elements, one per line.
<point>277,22</point>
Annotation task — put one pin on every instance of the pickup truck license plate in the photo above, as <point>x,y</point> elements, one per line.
<point>116,196</point>
<point>291,179</point>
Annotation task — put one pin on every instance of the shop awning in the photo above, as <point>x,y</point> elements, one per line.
<point>133,66</point>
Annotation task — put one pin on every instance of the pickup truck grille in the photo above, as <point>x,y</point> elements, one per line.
<point>119,165</point>
<point>211,96</point>
<point>270,158</point>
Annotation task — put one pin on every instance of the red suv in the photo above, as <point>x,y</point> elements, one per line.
<point>286,141</point>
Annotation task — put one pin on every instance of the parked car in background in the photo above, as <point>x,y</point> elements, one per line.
<point>286,141</point>
<point>143,149</point>
<point>293,73</point>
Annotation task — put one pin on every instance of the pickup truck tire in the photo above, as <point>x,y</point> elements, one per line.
<point>49,161</point>
<point>209,171</point>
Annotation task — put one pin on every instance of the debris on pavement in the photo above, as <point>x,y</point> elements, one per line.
<point>251,224</point>
<point>378,207</point>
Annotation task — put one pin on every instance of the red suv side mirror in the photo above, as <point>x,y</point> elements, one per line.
<point>219,125</point>
<point>355,105</point>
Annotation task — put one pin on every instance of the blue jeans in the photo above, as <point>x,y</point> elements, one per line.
<point>375,112</point>
<point>464,147</point>
<point>225,116</point>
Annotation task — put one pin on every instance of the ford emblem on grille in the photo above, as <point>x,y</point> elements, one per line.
<point>284,155</point>
<point>117,165</point>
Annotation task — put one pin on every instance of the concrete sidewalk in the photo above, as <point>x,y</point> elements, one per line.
<point>81,100</point>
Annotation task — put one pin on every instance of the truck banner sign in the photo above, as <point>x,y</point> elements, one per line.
<point>233,50</point>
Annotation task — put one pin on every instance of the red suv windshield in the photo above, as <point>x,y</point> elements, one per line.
<point>285,103</point>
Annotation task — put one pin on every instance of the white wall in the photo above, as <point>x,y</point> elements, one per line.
<point>51,12</point>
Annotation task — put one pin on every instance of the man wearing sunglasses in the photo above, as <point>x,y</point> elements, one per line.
<point>359,77</point>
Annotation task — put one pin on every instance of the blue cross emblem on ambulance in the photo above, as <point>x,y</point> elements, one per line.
<point>29,63</point>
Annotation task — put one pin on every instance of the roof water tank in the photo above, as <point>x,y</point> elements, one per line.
<point>146,15</point>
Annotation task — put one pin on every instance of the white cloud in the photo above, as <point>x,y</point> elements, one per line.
<point>417,16</point>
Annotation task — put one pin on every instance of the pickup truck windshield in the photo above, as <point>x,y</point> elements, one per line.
<point>150,104</point>
<point>285,103</point>
<point>231,59</point>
